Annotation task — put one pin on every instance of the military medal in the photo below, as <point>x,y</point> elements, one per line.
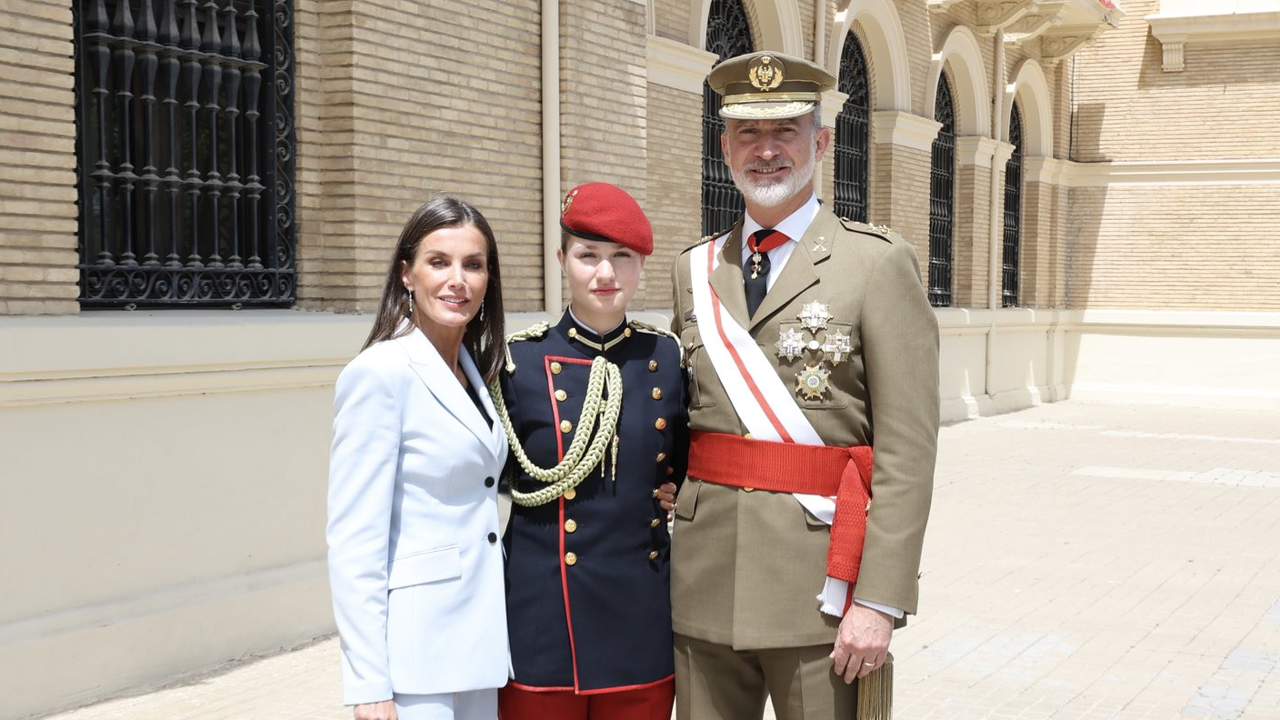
<point>815,315</point>
<point>790,344</point>
<point>812,382</point>
<point>837,347</point>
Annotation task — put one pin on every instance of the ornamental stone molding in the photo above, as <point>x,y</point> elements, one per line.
<point>676,65</point>
<point>1180,22</point>
<point>1048,30</point>
<point>832,103</point>
<point>895,127</point>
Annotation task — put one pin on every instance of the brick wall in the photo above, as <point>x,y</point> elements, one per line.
<point>672,19</point>
<point>37,160</point>
<point>674,206</point>
<point>1223,105</point>
<point>916,27</point>
<point>407,108</point>
<point>1157,248</point>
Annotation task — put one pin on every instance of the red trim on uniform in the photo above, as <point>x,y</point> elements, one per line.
<point>628,688</point>
<point>733,352</point>
<point>648,702</point>
<point>564,569</point>
<point>536,689</point>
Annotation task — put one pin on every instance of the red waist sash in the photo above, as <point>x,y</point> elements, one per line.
<point>790,468</point>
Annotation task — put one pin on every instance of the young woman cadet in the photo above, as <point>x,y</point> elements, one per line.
<point>415,565</point>
<point>596,406</point>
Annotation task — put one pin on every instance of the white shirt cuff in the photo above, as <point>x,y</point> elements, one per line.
<point>886,609</point>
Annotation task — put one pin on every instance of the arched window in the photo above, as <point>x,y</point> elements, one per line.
<point>728,35</point>
<point>1009,294</point>
<point>853,135</point>
<point>942,187</point>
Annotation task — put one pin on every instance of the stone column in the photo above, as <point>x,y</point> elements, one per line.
<point>900,160</point>
<point>832,103</point>
<point>972,239</point>
<point>674,158</point>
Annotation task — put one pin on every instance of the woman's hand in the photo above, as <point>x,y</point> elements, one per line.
<point>385,710</point>
<point>666,495</point>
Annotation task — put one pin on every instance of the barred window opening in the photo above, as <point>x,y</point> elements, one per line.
<point>728,35</point>
<point>1010,293</point>
<point>853,136</point>
<point>185,152</point>
<point>942,182</point>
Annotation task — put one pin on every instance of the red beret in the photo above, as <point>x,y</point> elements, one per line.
<point>600,211</point>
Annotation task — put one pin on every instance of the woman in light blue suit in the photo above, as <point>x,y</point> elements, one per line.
<point>415,565</point>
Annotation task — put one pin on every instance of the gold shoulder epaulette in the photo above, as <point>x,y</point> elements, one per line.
<point>883,232</point>
<point>535,331</point>
<point>655,330</point>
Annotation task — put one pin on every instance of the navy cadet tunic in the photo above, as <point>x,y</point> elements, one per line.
<point>588,589</point>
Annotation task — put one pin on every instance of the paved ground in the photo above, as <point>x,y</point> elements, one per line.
<point>1082,562</point>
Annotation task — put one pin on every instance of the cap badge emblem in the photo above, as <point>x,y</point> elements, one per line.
<point>765,73</point>
<point>568,200</point>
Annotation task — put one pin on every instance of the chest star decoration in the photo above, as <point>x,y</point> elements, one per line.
<point>837,346</point>
<point>813,382</point>
<point>815,315</point>
<point>790,344</point>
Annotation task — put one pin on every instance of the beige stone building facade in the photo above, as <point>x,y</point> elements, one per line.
<point>1142,215</point>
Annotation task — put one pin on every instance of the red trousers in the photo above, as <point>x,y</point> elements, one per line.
<point>647,703</point>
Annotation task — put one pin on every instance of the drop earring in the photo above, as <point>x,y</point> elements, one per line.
<point>409,294</point>
<point>482,311</point>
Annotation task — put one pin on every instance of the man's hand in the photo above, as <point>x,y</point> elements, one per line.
<point>385,710</point>
<point>666,495</point>
<point>862,643</point>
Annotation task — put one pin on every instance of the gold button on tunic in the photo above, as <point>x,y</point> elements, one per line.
<point>570,494</point>
<point>570,525</point>
<point>566,426</point>
<point>660,423</point>
<point>570,559</point>
<point>562,395</point>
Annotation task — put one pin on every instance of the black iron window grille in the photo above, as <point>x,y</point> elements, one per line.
<point>185,149</point>
<point>853,134</point>
<point>942,188</point>
<point>1010,290</point>
<point>728,35</point>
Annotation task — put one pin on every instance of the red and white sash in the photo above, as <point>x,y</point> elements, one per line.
<point>763,402</point>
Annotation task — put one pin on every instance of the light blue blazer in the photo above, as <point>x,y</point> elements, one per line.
<point>415,558</point>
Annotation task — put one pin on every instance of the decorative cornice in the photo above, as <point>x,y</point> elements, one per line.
<point>832,104</point>
<point>675,65</point>
<point>1174,30</point>
<point>895,127</point>
<point>1175,172</point>
<point>975,150</point>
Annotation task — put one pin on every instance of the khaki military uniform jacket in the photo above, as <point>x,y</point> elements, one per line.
<point>747,566</point>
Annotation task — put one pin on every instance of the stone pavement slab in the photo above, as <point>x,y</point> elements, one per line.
<point>1082,562</point>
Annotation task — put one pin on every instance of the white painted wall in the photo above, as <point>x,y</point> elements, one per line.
<point>164,473</point>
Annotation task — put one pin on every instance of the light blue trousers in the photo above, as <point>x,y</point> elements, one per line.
<point>471,705</point>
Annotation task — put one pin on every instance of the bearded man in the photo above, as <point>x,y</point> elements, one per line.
<point>813,358</point>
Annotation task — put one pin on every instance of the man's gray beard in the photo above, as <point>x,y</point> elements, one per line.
<point>774,194</point>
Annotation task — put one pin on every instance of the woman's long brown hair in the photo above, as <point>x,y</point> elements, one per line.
<point>484,337</point>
